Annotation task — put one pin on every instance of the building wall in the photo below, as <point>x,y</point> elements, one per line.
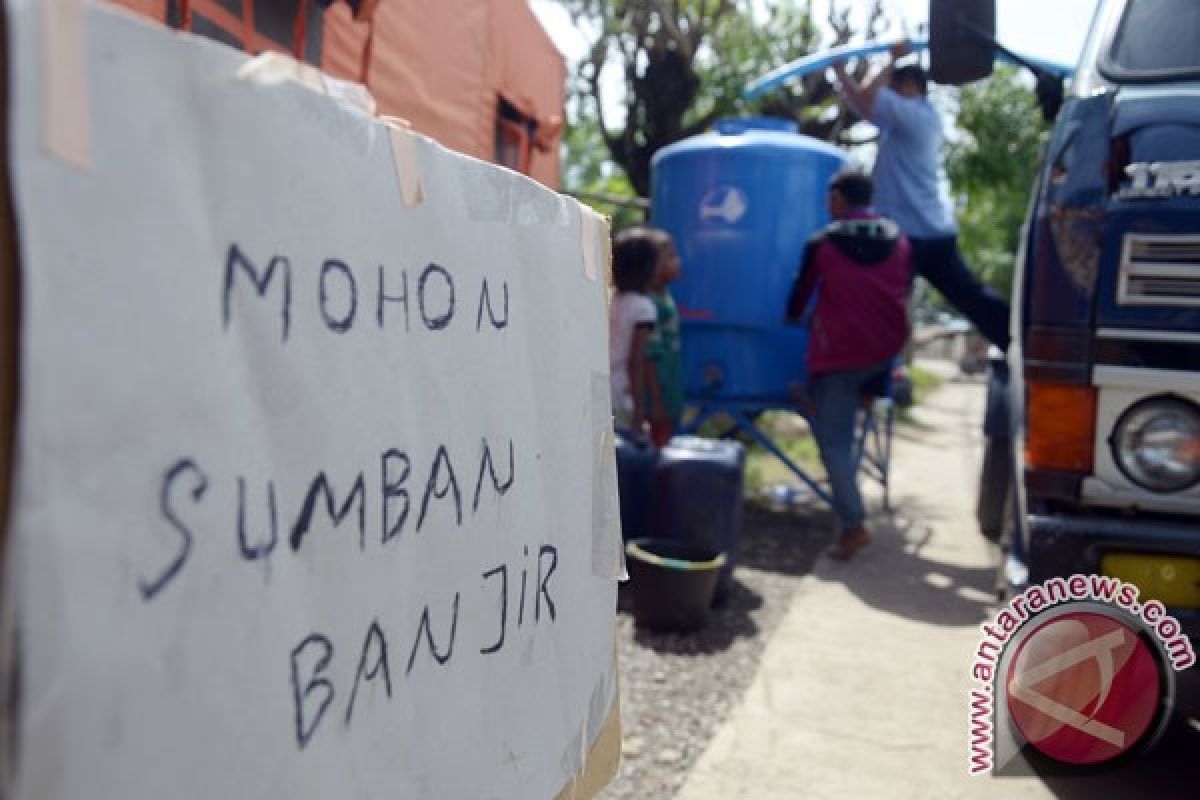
<point>442,65</point>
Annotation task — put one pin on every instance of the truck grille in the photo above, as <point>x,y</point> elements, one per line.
<point>1160,270</point>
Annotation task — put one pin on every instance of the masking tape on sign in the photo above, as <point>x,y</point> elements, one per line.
<point>67,131</point>
<point>602,758</point>
<point>273,69</point>
<point>589,235</point>
<point>67,120</point>
<point>608,556</point>
<point>407,162</point>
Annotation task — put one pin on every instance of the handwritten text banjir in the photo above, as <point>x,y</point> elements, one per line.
<point>400,491</point>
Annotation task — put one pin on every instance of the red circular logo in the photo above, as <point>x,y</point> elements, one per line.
<point>1083,688</point>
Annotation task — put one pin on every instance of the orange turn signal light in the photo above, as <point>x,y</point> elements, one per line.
<point>1060,427</point>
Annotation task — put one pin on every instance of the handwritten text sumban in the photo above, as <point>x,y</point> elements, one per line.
<point>401,487</point>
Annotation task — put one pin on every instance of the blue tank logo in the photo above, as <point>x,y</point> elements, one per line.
<point>726,203</point>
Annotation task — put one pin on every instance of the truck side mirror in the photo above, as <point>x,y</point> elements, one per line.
<point>1050,93</point>
<point>962,36</point>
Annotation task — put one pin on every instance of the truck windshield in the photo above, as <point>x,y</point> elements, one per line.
<point>1156,40</point>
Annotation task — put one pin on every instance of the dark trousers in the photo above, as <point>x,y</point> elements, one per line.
<point>939,262</point>
<point>836,398</point>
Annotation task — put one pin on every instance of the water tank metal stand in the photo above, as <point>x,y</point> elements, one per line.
<point>872,440</point>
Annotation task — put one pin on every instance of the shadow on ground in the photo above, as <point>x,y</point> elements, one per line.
<point>894,574</point>
<point>726,625</point>
<point>1170,770</point>
<point>785,543</point>
<point>676,691</point>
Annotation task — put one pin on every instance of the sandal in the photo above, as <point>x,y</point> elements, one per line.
<point>845,547</point>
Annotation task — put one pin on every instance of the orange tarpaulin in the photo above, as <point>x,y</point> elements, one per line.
<point>480,76</point>
<point>155,9</point>
<point>344,43</point>
<point>444,65</point>
<point>428,63</point>
<point>530,74</point>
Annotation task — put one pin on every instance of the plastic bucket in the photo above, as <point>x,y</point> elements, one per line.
<point>672,582</point>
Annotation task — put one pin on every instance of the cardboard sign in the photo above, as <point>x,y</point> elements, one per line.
<point>314,490</point>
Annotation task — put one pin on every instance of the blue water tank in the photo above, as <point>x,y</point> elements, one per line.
<point>741,202</point>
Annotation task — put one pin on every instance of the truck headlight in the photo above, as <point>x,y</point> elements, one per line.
<point>1157,444</point>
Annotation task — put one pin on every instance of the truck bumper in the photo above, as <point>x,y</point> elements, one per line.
<point>1061,546</point>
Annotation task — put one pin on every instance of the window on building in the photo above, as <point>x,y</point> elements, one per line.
<point>255,26</point>
<point>514,137</point>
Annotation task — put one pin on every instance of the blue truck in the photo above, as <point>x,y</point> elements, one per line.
<point>1092,447</point>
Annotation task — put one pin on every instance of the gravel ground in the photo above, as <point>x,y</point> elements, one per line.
<point>677,690</point>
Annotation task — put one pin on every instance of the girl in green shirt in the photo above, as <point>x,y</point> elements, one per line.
<point>664,363</point>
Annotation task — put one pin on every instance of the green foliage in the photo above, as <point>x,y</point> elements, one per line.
<point>744,47</point>
<point>599,183</point>
<point>924,383</point>
<point>791,435</point>
<point>683,65</point>
<point>994,166</point>
<point>586,166</point>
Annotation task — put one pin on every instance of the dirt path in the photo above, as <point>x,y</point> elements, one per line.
<point>850,681</point>
<point>861,691</point>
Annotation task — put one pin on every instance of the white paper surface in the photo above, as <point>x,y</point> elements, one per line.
<point>188,629</point>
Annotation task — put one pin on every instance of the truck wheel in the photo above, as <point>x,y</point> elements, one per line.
<point>995,489</point>
<point>958,54</point>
